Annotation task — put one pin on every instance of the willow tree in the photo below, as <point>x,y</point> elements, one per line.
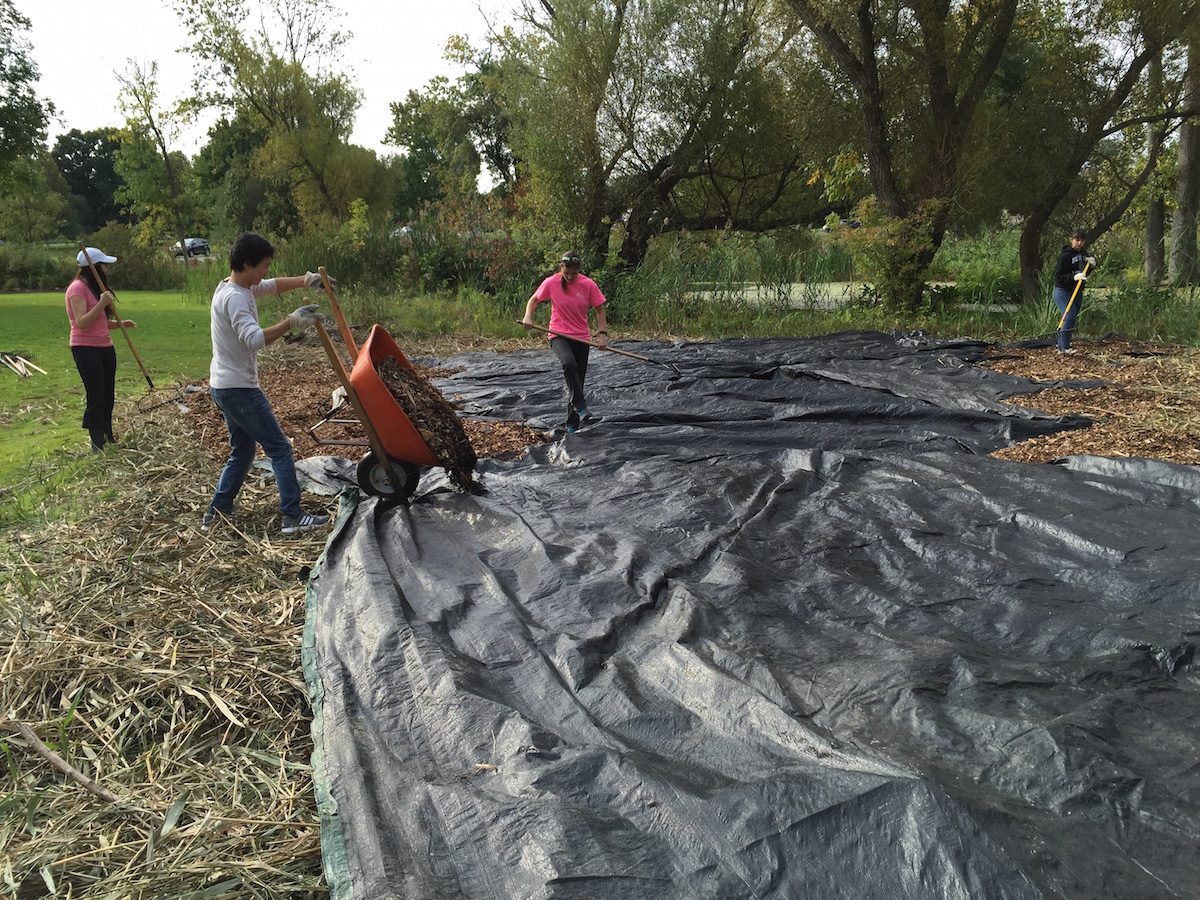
<point>658,115</point>
<point>919,71</point>
<point>156,176</point>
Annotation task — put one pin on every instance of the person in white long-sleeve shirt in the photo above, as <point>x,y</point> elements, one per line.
<point>233,378</point>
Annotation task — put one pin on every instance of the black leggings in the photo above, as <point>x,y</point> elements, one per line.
<point>98,368</point>
<point>574,358</point>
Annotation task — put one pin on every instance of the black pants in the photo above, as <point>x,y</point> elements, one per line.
<point>574,358</point>
<point>98,368</point>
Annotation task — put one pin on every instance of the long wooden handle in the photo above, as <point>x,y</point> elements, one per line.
<point>347,337</point>
<point>592,344</point>
<point>648,359</point>
<point>1074,294</point>
<point>120,324</point>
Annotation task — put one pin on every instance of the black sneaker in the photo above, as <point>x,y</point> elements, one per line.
<point>304,522</point>
<point>210,519</point>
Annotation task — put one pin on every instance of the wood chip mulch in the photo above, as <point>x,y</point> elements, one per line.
<point>300,389</point>
<point>1149,406</point>
<point>433,417</point>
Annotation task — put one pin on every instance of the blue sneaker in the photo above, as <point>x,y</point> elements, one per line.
<point>571,429</point>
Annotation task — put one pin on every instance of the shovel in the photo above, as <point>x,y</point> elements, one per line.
<point>120,323</point>
<point>675,372</point>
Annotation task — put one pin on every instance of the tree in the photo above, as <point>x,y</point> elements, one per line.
<point>157,183</point>
<point>1156,207</point>
<point>31,210</point>
<point>919,71</point>
<point>660,115</point>
<point>23,117</point>
<point>1184,268</point>
<point>239,195</point>
<point>277,76</point>
<point>1098,73</point>
<point>86,161</point>
<point>449,131</point>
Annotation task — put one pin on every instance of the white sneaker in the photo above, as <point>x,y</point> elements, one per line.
<point>304,522</point>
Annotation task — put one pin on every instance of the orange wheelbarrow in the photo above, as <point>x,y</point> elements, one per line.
<point>391,467</point>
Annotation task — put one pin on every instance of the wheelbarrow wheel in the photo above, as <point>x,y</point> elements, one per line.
<point>373,477</point>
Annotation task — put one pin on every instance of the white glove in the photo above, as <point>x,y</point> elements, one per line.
<point>314,282</point>
<point>304,317</point>
<point>1091,260</point>
<point>1079,276</point>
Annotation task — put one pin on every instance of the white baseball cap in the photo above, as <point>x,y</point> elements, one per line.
<point>96,256</point>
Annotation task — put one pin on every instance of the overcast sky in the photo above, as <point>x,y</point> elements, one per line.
<point>79,47</point>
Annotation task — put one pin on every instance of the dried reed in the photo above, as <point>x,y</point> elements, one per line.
<point>162,665</point>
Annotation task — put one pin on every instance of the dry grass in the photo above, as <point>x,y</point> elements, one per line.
<point>164,665</point>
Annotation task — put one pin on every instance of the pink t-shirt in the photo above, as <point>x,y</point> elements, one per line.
<point>569,308</point>
<point>95,336</point>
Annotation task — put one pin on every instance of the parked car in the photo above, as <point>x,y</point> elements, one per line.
<point>195,247</point>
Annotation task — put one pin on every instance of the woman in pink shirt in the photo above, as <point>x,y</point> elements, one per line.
<point>92,315</point>
<point>571,295</point>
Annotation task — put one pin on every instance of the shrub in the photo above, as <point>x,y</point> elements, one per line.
<point>33,267</point>
<point>137,268</point>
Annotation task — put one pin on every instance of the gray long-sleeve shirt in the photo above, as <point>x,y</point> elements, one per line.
<point>236,335</point>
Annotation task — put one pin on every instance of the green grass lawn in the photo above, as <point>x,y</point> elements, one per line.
<point>40,415</point>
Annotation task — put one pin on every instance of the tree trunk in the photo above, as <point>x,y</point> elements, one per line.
<point>1156,246</point>
<point>1032,258</point>
<point>1183,268</point>
<point>1156,209</point>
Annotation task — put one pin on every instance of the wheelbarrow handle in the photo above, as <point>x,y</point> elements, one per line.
<point>610,349</point>
<point>338,315</point>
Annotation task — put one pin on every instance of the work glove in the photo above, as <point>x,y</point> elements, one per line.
<point>314,282</point>
<point>1091,260</point>
<point>304,317</point>
<point>1079,276</point>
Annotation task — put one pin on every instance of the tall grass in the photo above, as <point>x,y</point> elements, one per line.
<point>708,285</point>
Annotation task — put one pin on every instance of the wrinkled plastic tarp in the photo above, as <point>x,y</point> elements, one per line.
<point>777,628</point>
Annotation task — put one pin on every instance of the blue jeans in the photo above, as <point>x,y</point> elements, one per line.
<point>250,420</point>
<point>1062,297</point>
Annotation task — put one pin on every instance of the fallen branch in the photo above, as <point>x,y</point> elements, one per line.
<point>63,766</point>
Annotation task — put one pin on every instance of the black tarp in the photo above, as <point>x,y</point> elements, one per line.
<point>777,628</point>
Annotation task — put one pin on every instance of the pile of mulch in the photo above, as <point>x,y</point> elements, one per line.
<point>434,418</point>
<point>300,387</point>
<point>1149,407</point>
